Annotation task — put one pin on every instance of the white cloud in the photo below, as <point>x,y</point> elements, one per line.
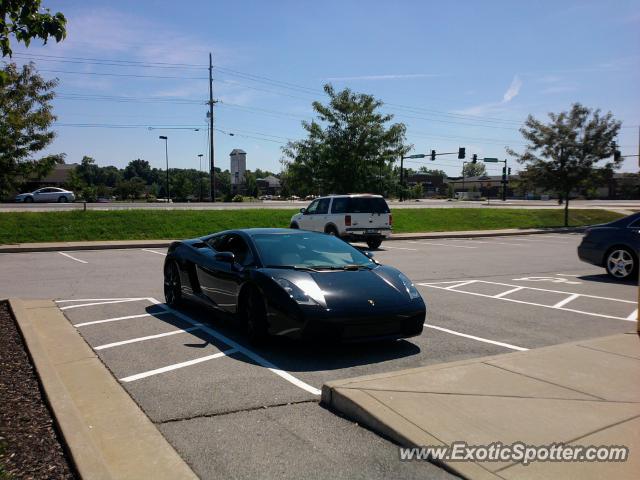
<point>392,76</point>
<point>513,90</point>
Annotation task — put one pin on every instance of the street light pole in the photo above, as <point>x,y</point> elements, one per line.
<point>166,154</point>
<point>200,174</point>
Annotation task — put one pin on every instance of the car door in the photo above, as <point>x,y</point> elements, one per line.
<point>321,217</point>
<point>222,280</point>
<point>306,221</point>
<point>40,195</point>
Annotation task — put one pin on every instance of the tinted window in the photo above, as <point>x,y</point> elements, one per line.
<point>307,250</point>
<point>311,209</point>
<point>323,206</point>
<point>235,245</point>
<point>367,205</point>
<point>340,205</point>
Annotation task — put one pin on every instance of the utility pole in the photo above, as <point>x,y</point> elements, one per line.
<point>401,177</point>
<point>200,174</point>
<point>211,154</point>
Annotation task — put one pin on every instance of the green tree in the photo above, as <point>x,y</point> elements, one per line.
<point>348,148</point>
<point>139,168</point>
<point>474,169</point>
<point>25,20</point>
<point>562,155</point>
<point>26,115</point>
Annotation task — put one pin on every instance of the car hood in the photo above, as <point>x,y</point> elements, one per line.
<point>355,292</point>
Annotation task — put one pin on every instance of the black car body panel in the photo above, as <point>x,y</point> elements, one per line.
<point>601,239</point>
<point>353,304</point>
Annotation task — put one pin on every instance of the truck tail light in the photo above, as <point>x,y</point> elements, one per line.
<point>390,219</point>
<point>347,220</point>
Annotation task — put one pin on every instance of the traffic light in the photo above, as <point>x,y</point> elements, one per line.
<point>474,159</point>
<point>504,174</point>
<point>433,155</point>
<point>617,155</point>
<point>461,152</point>
<point>509,171</point>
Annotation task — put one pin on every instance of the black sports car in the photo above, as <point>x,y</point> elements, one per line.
<point>613,246</point>
<point>294,283</point>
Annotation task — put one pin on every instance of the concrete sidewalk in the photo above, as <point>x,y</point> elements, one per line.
<point>582,393</point>
<point>123,244</point>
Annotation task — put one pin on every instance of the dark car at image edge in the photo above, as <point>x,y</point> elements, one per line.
<point>613,246</point>
<point>294,283</point>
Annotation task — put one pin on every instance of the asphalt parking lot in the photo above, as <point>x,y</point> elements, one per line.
<point>237,411</point>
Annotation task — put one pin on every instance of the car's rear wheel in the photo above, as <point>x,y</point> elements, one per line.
<point>62,199</point>
<point>172,285</point>
<point>374,243</point>
<point>621,263</point>
<point>28,200</point>
<point>253,315</point>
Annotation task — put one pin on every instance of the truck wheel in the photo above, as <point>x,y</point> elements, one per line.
<point>373,244</point>
<point>331,230</point>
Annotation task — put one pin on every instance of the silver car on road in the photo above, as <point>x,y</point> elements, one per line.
<point>47,194</point>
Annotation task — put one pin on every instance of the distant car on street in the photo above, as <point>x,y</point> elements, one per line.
<point>613,246</point>
<point>358,217</point>
<point>47,194</point>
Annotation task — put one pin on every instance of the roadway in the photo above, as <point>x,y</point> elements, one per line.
<point>621,205</point>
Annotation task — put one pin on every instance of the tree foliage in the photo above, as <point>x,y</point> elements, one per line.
<point>349,147</point>
<point>474,169</point>
<point>26,115</point>
<point>562,155</point>
<point>25,20</point>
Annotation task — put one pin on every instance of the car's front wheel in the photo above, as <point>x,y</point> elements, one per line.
<point>294,225</point>
<point>28,200</point>
<point>172,285</point>
<point>62,199</point>
<point>621,263</point>
<point>253,315</point>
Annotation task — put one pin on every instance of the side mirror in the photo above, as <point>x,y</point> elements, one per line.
<point>302,210</point>
<point>227,257</point>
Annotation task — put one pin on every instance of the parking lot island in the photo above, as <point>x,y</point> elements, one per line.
<point>106,433</point>
<point>577,394</point>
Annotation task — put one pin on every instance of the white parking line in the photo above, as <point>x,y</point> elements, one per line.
<point>153,251</point>
<point>634,316</point>
<point>502,296</point>
<point>93,299</point>
<point>68,307</point>
<point>148,337</point>
<point>72,258</point>
<point>117,319</point>
<point>489,242</point>
<point>401,248</point>
<point>479,339</point>
<point>563,302</point>
<point>245,351</point>
<point>176,366</point>
<point>440,244</point>
<point>507,292</point>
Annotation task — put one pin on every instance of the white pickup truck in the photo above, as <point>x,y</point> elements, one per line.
<point>361,217</point>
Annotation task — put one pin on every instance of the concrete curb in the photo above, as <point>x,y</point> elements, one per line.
<point>106,433</point>
<point>128,244</point>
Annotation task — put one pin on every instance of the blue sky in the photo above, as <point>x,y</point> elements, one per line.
<point>457,73</point>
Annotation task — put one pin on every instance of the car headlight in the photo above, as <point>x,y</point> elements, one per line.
<point>409,286</point>
<point>305,292</point>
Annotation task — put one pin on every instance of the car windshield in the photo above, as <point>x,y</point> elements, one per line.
<point>308,250</point>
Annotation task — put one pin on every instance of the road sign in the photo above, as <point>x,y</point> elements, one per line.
<point>417,155</point>
<point>490,159</point>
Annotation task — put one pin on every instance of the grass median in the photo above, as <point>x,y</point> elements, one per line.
<point>27,227</point>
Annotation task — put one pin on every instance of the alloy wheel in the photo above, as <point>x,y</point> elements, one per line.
<point>620,263</point>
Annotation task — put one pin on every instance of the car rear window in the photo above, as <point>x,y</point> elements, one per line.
<point>366,205</point>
